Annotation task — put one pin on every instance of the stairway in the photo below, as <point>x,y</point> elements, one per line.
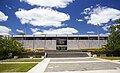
<point>65,54</point>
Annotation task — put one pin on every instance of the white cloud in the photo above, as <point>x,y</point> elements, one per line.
<point>87,17</point>
<point>106,27</point>
<point>79,20</point>
<point>42,17</point>
<point>90,32</point>
<point>34,29</point>
<point>101,15</point>
<point>87,9</point>
<point>67,30</point>
<point>4,30</point>
<point>8,7</point>
<point>104,34</point>
<point>3,17</point>
<point>20,31</point>
<point>49,3</point>
<point>115,24</point>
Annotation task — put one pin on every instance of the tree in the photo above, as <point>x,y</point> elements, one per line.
<point>9,45</point>
<point>113,45</point>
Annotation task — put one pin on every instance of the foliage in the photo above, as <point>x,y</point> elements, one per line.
<point>95,50</point>
<point>113,45</point>
<point>9,45</point>
<point>28,50</point>
<point>111,58</point>
<point>118,21</point>
<point>35,50</point>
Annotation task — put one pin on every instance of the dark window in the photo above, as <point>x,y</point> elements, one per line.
<point>39,38</point>
<point>61,41</point>
<point>29,38</point>
<point>50,38</point>
<point>93,38</point>
<point>73,38</point>
<point>103,38</point>
<point>83,38</point>
<point>19,38</point>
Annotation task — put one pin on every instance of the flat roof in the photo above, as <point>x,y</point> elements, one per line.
<point>58,35</point>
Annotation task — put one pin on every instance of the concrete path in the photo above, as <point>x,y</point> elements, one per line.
<point>76,65</point>
<point>40,67</point>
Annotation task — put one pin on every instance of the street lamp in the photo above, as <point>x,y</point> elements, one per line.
<point>89,33</point>
<point>98,35</point>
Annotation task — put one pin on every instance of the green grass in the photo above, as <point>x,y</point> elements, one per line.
<point>16,67</point>
<point>21,60</point>
<point>111,58</point>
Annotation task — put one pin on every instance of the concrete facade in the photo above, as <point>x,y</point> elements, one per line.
<point>50,45</point>
<point>50,42</point>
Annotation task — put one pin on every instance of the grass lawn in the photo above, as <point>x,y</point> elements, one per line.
<point>111,58</point>
<point>21,60</point>
<point>16,67</point>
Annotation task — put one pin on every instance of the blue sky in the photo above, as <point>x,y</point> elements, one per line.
<point>58,16</point>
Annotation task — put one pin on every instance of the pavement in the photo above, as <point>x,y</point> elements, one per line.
<point>76,65</point>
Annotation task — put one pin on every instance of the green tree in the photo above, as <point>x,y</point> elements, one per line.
<point>113,45</point>
<point>9,45</point>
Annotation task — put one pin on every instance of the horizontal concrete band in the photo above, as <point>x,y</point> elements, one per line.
<point>77,62</point>
<point>93,71</point>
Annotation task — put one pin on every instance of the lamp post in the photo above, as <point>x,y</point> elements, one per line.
<point>90,34</point>
<point>98,35</point>
<point>33,42</point>
<point>25,37</point>
<point>45,42</point>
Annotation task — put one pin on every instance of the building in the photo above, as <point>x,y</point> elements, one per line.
<point>62,42</point>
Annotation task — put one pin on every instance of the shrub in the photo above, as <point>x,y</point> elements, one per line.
<point>9,45</point>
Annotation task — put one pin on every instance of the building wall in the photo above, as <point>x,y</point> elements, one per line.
<point>50,44</point>
<point>39,44</point>
<point>28,44</point>
<point>72,45</point>
<point>86,44</point>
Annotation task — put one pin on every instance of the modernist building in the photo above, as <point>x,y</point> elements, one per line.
<point>62,42</point>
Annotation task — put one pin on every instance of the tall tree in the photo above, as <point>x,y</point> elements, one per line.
<point>113,45</point>
<point>9,45</point>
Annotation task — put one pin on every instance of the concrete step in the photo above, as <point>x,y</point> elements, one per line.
<point>60,54</point>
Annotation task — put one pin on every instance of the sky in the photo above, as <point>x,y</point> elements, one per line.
<point>58,16</point>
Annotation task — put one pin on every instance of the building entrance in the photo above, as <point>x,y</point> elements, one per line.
<point>61,48</point>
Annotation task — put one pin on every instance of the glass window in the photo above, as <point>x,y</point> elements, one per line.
<point>61,41</point>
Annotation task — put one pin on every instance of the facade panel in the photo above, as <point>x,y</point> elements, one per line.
<point>28,44</point>
<point>50,45</point>
<point>39,44</point>
<point>73,45</point>
<point>91,44</point>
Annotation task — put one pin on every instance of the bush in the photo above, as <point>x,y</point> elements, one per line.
<point>9,45</point>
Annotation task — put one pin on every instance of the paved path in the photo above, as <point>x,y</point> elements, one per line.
<point>76,65</point>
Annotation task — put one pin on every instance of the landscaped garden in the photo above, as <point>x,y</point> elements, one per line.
<point>111,58</point>
<point>9,48</point>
